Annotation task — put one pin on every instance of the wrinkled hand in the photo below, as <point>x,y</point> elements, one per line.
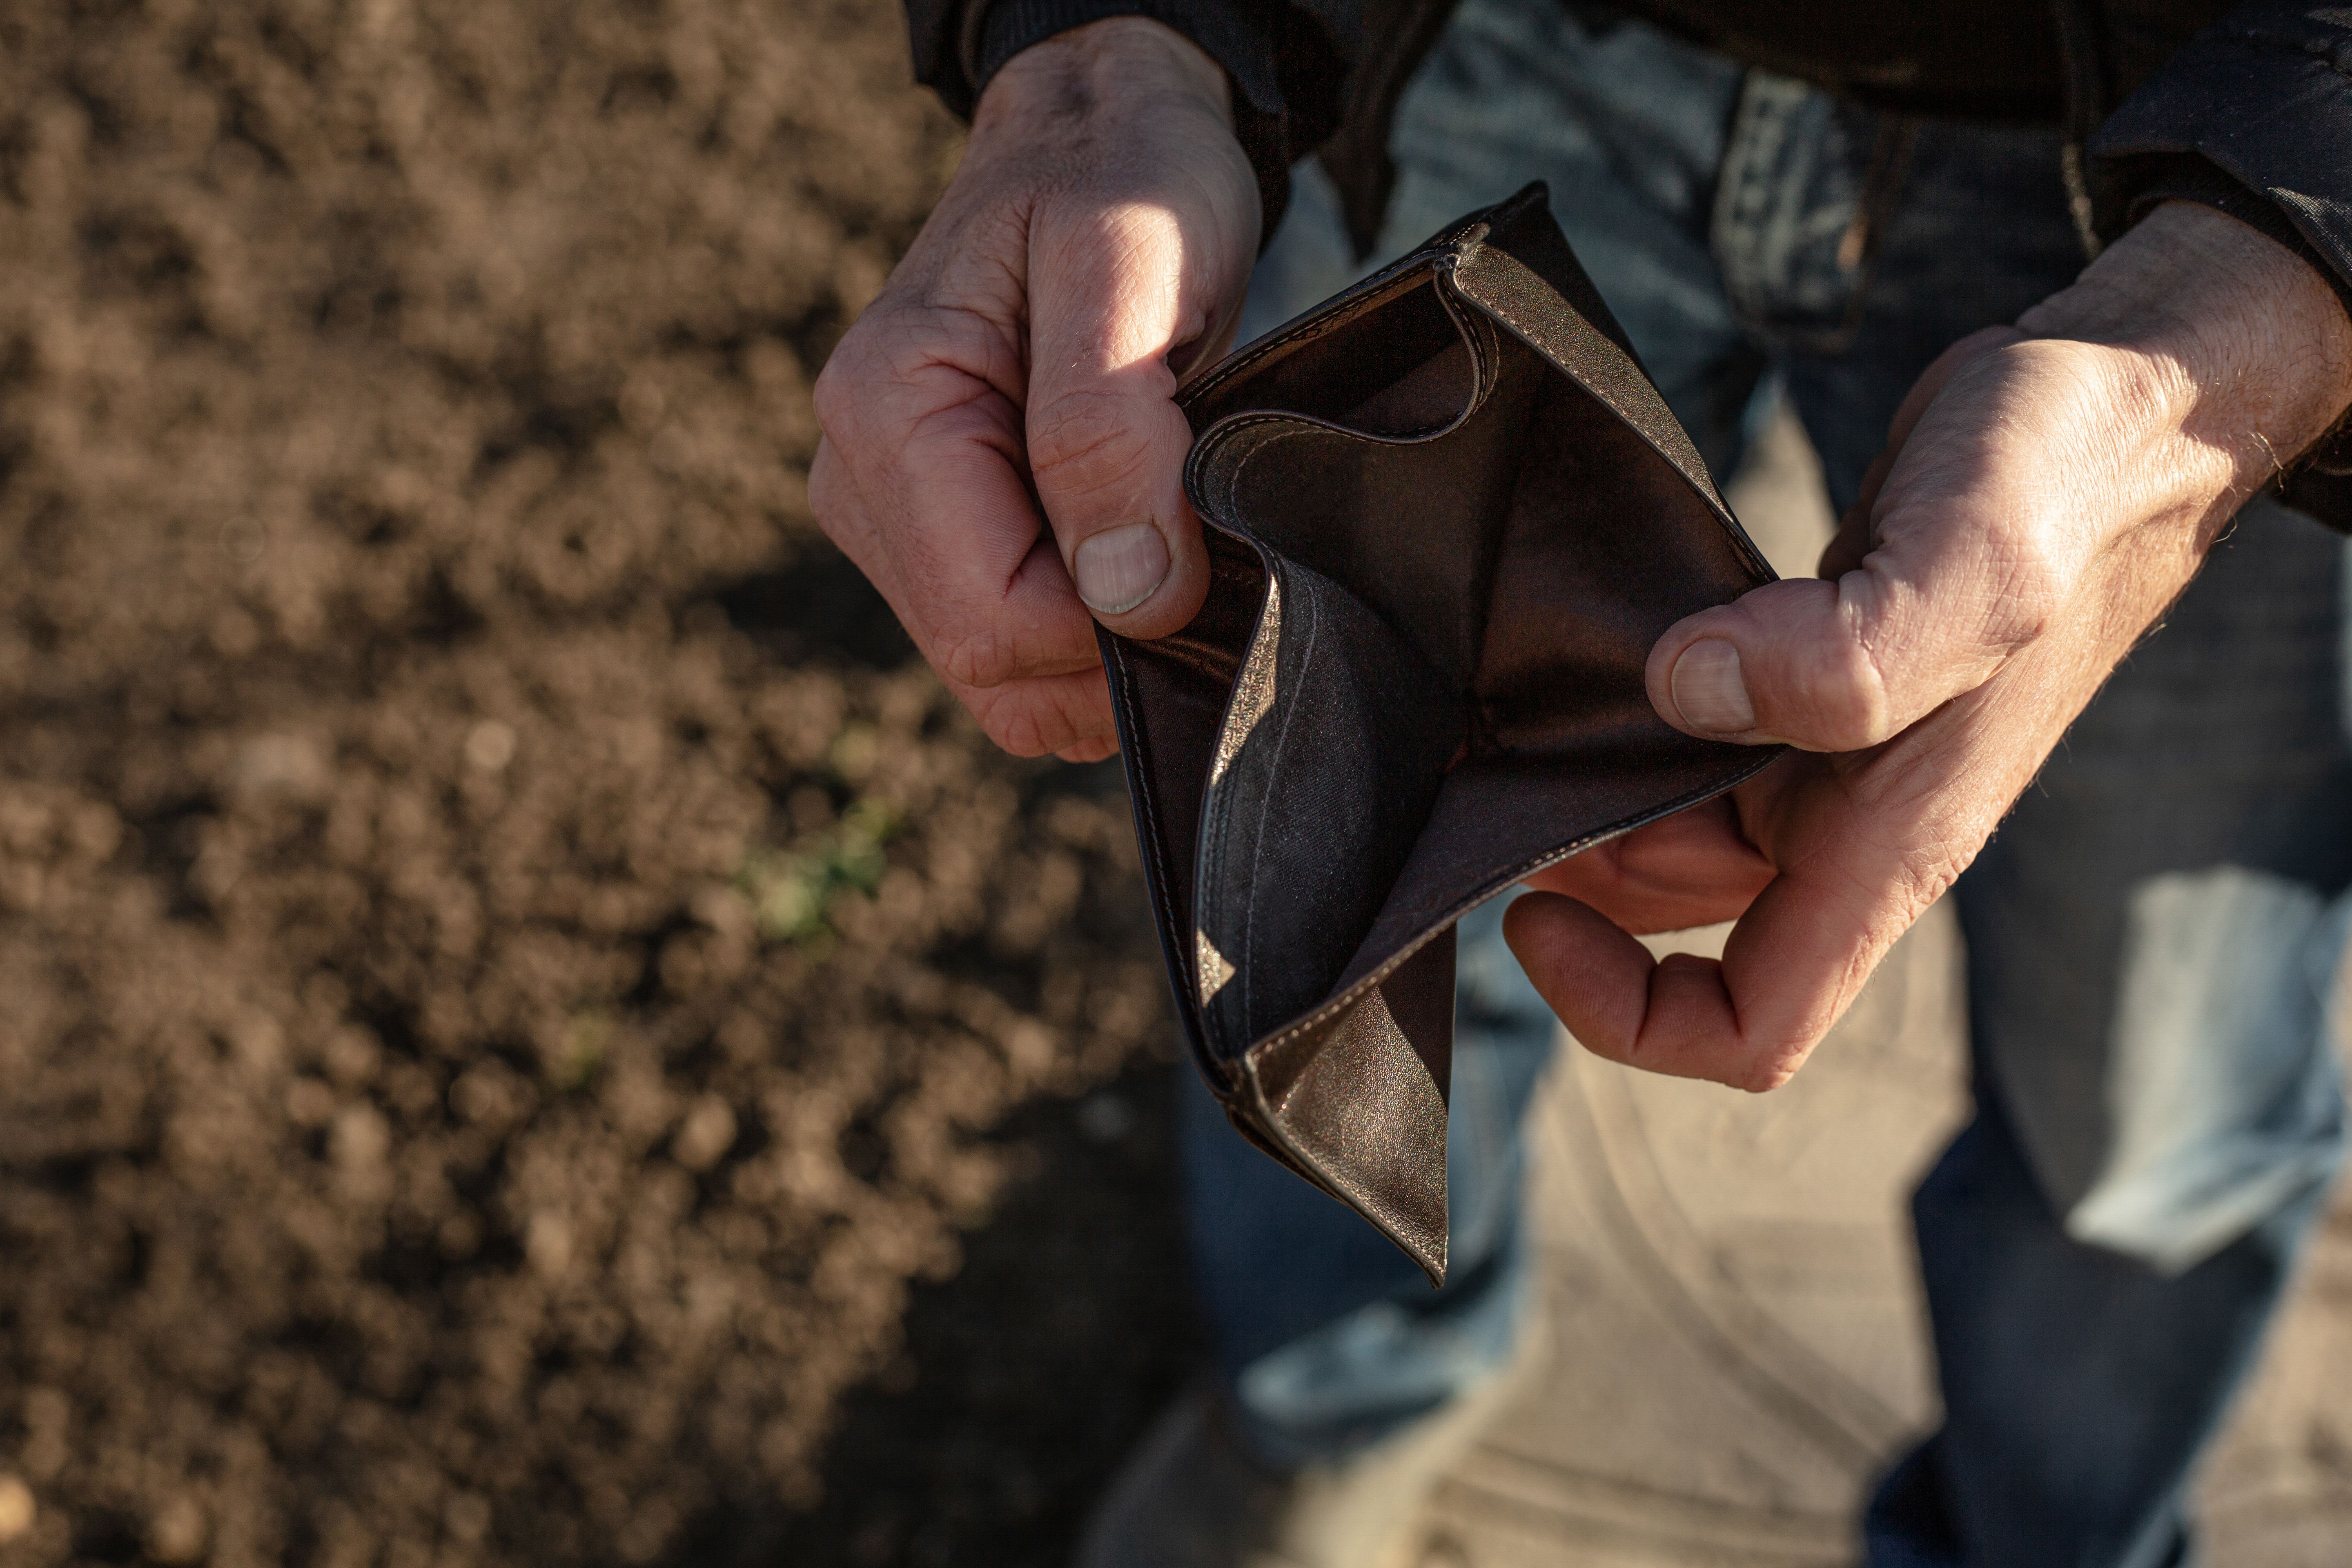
<point>1095,241</point>
<point>2046,491</point>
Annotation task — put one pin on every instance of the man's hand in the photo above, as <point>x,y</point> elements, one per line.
<point>1095,242</point>
<point>2045,492</point>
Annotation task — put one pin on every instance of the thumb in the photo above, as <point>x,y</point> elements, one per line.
<point>1110,303</point>
<point>1847,660</point>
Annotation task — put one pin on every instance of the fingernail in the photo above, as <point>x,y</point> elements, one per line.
<point>1117,570</point>
<point>1709,691</point>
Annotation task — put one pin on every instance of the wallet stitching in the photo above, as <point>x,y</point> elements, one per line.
<point>1487,373</point>
<point>1222,434</point>
<point>1258,447</point>
<point>1486,345</point>
<point>1598,394</point>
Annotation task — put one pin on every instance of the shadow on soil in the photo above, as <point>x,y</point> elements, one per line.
<point>1024,1378</point>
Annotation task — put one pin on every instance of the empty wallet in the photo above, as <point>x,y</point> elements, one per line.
<point>1448,515</point>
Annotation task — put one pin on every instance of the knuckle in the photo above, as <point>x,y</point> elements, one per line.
<point>1085,441</point>
<point>1842,693</point>
<point>900,361</point>
<point>1923,876</point>
<point>2026,586</point>
<point>1015,727</point>
<point>970,655</point>
<point>842,391</point>
<point>1017,734</point>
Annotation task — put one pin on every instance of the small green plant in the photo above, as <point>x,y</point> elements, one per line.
<point>586,1034</point>
<point>790,892</point>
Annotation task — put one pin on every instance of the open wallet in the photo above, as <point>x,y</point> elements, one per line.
<point>1448,515</point>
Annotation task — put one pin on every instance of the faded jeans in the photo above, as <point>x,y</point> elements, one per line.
<point>2151,935</point>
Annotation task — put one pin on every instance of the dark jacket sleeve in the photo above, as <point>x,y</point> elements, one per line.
<point>1288,63</point>
<point>2254,117</point>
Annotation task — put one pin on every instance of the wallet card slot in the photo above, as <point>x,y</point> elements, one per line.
<point>1411,526</point>
<point>1397,366</point>
<point>1527,280</point>
<point>1171,699</point>
<point>1602,548</point>
<point>1305,830</point>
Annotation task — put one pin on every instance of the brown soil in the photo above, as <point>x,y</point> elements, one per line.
<point>529,1029</point>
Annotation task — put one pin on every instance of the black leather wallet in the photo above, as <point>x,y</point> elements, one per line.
<point>1447,516</point>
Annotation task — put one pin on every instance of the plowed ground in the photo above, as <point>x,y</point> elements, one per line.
<point>530,1030</point>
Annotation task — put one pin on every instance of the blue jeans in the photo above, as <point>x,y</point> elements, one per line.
<point>2151,935</point>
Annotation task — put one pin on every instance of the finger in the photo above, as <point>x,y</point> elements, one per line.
<point>1680,1015</point>
<point>1935,583</point>
<point>1860,858</point>
<point>1850,544</point>
<point>1028,714</point>
<point>1068,716</point>
<point>1590,972</point>
<point>917,483</point>
<point>1791,969</point>
<point>1694,868</point>
<point>1053,710</point>
<point>1116,293</point>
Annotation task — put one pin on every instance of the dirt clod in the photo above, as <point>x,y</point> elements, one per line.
<point>18,1510</point>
